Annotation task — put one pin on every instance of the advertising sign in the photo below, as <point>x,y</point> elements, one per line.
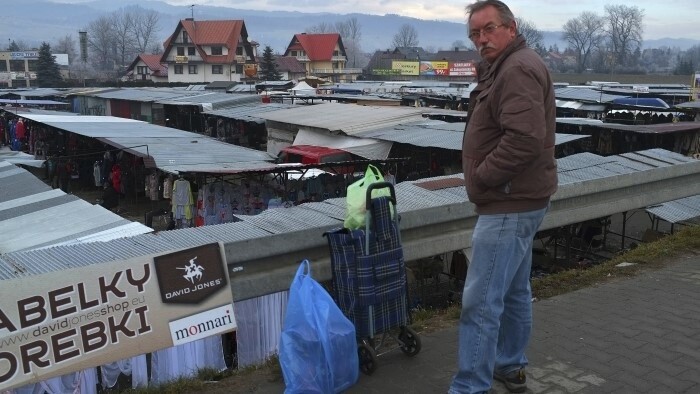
<point>61,322</point>
<point>24,55</point>
<point>405,67</point>
<point>434,68</point>
<point>462,69</point>
<point>696,88</point>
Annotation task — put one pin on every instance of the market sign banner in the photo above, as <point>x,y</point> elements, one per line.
<point>462,69</point>
<point>434,68</point>
<point>65,321</point>
<point>405,67</point>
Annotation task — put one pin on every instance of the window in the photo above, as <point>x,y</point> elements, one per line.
<point>192,68</point>
<point>293,53</point>
<point>217,69</point>
<point>190,51</point>
<point>3,66</point>
<point>239,69</point>
<point>336,53</point>
<point>185,37</point>
<point>216,51</point>
<point>239,51</point>
<point>178,69</point>
<point>31,65</point>
<point>181,51</point>
<point>141,70</point>
<point>17,65</point>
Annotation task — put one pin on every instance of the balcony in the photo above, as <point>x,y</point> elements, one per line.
<point>336,71</point>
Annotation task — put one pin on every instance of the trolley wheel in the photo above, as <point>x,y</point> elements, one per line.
<point>411,341</point>
<point>368,358</point>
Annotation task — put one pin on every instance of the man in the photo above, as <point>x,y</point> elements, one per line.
<point>510,174</point>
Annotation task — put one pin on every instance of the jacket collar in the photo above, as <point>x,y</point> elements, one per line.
<point>486,70</point>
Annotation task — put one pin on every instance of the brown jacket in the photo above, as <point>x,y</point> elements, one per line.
<point>508,147</point>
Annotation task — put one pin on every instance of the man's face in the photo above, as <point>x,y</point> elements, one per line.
<point>489,34</point>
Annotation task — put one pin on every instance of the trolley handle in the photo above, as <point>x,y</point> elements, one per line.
<point>379,185</point>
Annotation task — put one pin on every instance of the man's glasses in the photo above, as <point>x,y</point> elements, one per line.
<point>490,29</point>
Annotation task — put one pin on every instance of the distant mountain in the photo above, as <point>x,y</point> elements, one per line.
<point>34,21</point>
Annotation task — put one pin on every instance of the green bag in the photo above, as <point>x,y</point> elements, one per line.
<point>357,196</point>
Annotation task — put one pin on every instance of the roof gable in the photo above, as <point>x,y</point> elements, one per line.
<point>319,47</point>
<point>152,62</point>
<point>289,64</point>
<point>226,33</point>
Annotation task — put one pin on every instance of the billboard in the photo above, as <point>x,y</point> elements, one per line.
<point>65,321</point>
<point>429,68</point>
<point>405,67</point>
<point>434,68</point>
<point>462,69</point>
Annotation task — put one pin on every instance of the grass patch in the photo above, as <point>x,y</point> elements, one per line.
<point>651,255</point>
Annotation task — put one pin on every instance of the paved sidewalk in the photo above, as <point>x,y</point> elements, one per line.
<point>637,335</point>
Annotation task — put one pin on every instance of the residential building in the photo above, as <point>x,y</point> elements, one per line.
<point>290,67</point>
<point>147,67</point>
<point>323,55</point>
<point>208,51</point>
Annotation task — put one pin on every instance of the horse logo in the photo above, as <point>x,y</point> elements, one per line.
<point>192,271</point>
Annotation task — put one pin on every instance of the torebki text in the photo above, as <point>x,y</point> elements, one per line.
<point>72,322</point>
<point>192,289</point>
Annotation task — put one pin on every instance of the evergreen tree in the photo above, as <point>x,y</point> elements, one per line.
<point>47,72</point>
<point>268,66</point>
<point>14,47</point>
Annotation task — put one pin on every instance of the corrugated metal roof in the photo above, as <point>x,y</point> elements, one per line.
<point>212,100</point>
<point>314,215</point>
<point>677,211</point>
<point>32,215</point>
<point>689,105</point>
<point>585,94</point>
<point>143,95</point>
<point>659,128</point>
<point>249,113</point>
<point>168,149</point>
<point>348,118</point>
<point>436,134</point>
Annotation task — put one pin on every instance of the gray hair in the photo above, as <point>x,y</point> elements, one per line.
<point>504,12</point>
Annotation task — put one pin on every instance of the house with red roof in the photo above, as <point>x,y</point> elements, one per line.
<point>322,55</point>
<point>210,50</point>
<point>147,67</point>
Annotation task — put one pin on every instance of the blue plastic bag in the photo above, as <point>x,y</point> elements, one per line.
<point>318,347</point>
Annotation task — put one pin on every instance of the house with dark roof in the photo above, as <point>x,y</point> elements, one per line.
<point>322,55</point>
<point>147,67</point>
<point>210,50</point>
<point>290,67</point>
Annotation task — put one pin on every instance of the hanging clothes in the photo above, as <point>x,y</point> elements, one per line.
<point>116,176</point>
<point>182,202</point>
<point>168,187</point>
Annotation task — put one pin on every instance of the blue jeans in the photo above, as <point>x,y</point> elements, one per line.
<point>496,319</point>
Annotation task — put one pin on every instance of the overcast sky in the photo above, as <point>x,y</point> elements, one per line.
<point>673,18</point>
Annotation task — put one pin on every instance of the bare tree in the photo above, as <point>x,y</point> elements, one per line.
<point>351,32</point>
<point>583,34</point>
<point>145,28</point>
<point>532,35</point>
<point>122,28</point>
<point>101,42</point>
<point>322,27</point>
<point>66,45</point>
<point>624,31</point>
<point>407,36</point>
